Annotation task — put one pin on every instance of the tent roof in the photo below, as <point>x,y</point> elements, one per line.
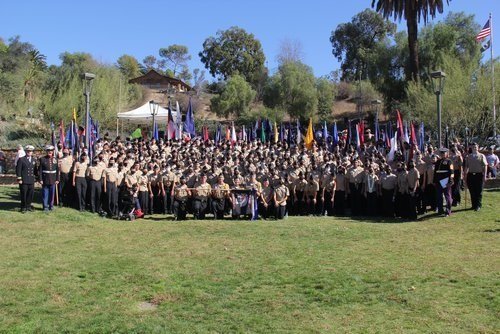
<point>143,115</point>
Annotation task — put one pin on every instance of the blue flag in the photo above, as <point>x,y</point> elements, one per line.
<point>189,124</point>
<point>335,134</point>
<point>325,133</point>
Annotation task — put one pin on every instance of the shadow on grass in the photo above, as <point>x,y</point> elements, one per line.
<point>10,199</point>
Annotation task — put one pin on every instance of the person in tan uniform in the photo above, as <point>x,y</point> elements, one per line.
<point>280,196</point>
<point>220,196</point>
<point>298,194</point>
<point>79,181</point>
<point>94,176</point>
<point>265,199</point>
<point>370,191</point>
<point>65,178</point>
<point>328,194</point>
<point>143,195</point>
<point>387,188</point>
<point>354,179</point>
<point>110,182</point>
<point>201,194</point>
<point>311,195</point>
<point>340,191</point>
<point>402,197</point>
<point>155,182</point>
<point>168,184</point>
<point>413,186</point>
<point>181,194</point>
<point>428,187</point>
<point>476,168</point>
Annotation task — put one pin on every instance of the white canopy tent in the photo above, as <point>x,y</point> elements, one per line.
<point>142,115</point>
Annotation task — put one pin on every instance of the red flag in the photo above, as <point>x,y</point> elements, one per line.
<point>413,136</point>
<point>399,125</point>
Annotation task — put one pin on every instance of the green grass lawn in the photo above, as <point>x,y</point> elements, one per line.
<point>71,272</point>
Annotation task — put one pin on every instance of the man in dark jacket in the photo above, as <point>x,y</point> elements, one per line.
<point>25,172</point>
<point>47,173</point>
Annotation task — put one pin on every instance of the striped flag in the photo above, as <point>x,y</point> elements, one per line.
<point>485,32</point>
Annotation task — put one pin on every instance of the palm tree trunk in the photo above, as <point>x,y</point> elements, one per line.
<point>411,24</point>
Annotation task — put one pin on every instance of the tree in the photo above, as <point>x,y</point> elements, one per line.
<point>354,43</point>
<point>290,51</point>
<point>176,57</point>
<point>149,62</point>
<point>233,51</point>
<point>32,79</point>
<point>129,66</point>
<point>326,95</point>
<point>293,88</point>
<point>412,11</point>
<point>235,98</point>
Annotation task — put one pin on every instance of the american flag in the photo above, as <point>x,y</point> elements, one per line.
<point>485,32</point>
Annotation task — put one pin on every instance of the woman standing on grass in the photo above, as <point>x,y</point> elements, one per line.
<point>80,182</point>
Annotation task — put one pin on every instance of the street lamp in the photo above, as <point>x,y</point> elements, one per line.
<point>437,79</point>
<point>153,109</point>
<point>87,82</point>
<point>377,104</point>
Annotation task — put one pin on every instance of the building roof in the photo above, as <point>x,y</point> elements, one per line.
<point>155,78</point>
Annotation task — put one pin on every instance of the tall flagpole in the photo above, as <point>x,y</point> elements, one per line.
<point>493,82</point>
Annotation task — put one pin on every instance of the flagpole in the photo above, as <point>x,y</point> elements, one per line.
<point>493,81</point>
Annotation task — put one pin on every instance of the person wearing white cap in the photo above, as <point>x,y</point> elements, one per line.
<point>25,172</point>
<point>49,176</point>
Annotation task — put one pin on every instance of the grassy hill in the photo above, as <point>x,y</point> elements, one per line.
<point>71,272</point>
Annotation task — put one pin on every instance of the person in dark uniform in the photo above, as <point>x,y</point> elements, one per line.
<point>476,167</point>
<point>79,181</point>
<point>48,173</point>
<point>202,192</point>
<point>25,172</point>
<point>443,180</point>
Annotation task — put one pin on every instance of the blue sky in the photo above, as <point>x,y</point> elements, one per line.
<point>109,29</point>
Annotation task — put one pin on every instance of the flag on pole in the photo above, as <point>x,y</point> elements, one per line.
<point>485,32</point>
<point>394,148</point>
<point>407,137</point>
<point>62,137</point>
<point>189,125</point>
<point>218,134</point>
<point>170,123</point>
<point>276,134</point>
<point>155,131</point>
<point>421,135</point>
<point>361,130</point>
<point>399,126</point>
<point>263,132</point>
<point>233,134</point>
<point>335,134</point>
<point>358,140</point>
<point>325,133</point>
<point>377,130</point>
<point>136,134</point>
<point>178,121</point>
<point>309,140</point>
<point>299,135</point>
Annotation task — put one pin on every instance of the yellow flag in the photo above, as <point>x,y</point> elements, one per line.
<point>74,114</point>
<point>276,138</point>
<point>309,135</point>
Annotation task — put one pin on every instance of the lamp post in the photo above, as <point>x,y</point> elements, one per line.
<point>438,78</point>
<point>153,109</point>
<point>87,82</point>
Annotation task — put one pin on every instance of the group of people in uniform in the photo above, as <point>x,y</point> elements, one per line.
<point>204,178</point>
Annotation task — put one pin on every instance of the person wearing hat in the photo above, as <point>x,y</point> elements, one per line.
<point>25,172</point>
<point>48,174</point>
<point>475,172</point>
<point>443,180</point>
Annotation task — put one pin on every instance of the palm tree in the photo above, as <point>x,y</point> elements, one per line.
<point>38,64</point>
<point>412,11</point>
